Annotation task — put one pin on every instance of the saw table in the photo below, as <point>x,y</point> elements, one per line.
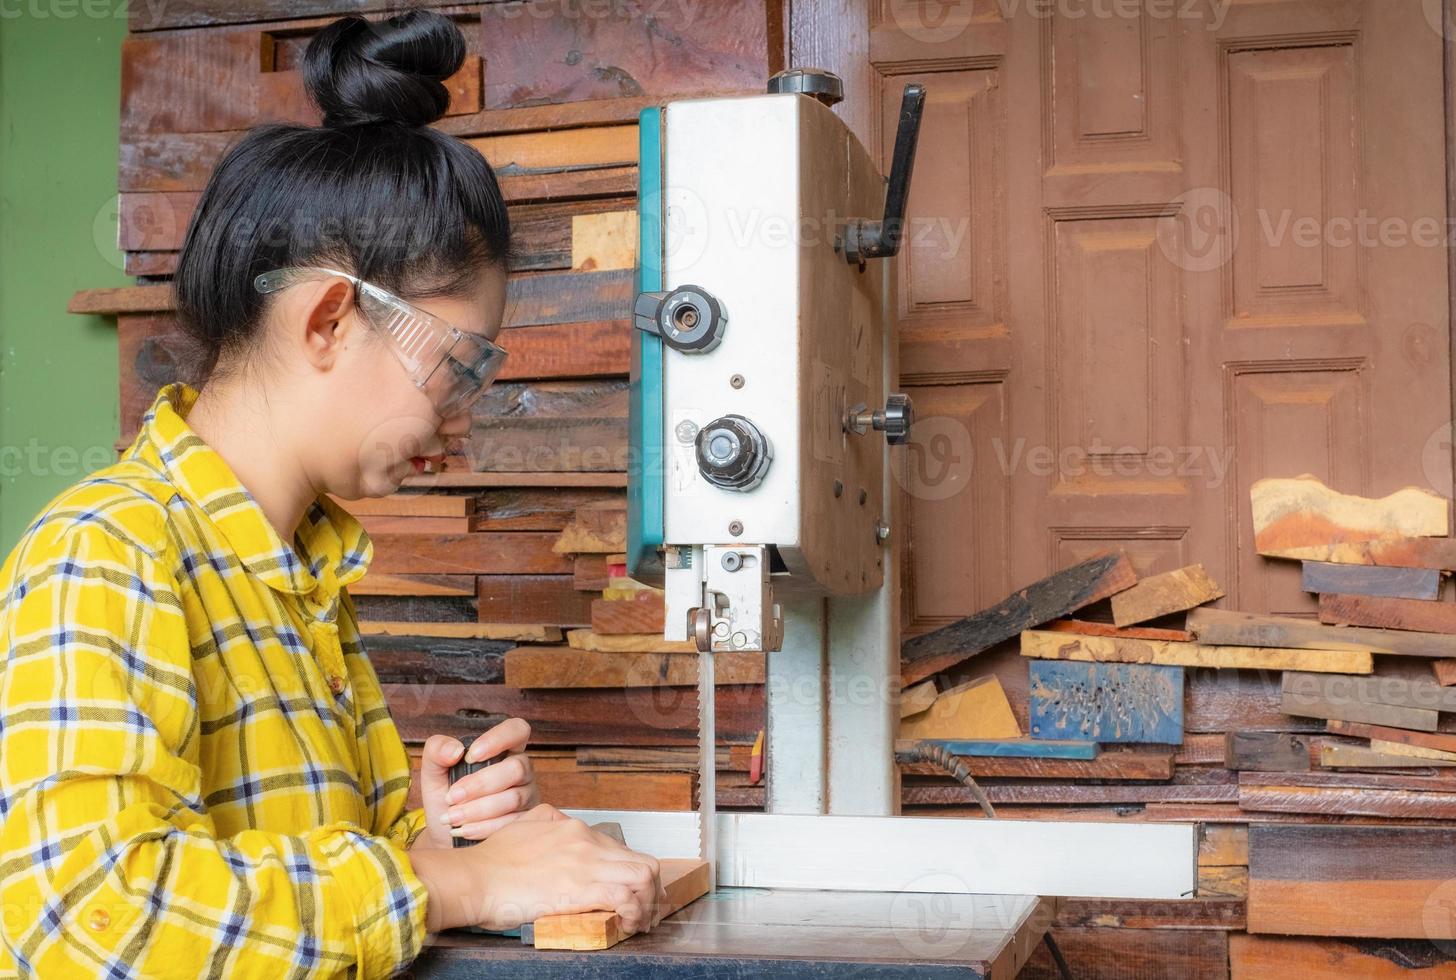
<point>753,932</point>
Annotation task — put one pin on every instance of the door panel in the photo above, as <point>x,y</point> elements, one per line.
<point>1156,252</point>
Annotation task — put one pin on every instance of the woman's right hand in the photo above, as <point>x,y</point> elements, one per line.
<point>543,863</point>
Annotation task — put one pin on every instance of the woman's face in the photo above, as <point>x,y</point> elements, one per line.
<point>383,428</point>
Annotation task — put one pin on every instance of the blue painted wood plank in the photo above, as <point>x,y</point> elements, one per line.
<point>1106,702</point>
<point>1022,748</point>
<point>1387,582</point>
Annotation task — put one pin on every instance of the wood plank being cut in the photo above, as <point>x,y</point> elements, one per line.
<point>1371,580</point>
<point>1303,518</point>
<point>1106,702</point>
<point>1220,627</point>
<point>1159,595</point>
<point>685,880</point>
<point>1060,594</point>
<point>1051,645</point>
<point>1378,882</point>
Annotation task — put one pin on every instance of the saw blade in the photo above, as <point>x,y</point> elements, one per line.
<point>707,768</point>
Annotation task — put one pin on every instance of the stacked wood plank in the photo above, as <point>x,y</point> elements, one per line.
<point>1327,746</point>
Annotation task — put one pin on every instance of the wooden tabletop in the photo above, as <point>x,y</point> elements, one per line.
<point>751,932</point>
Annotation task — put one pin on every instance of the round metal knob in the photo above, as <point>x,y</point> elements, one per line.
<point>688,319</point>
<point>814,82</point>
<point>897,418</point>
<point>732,453</point>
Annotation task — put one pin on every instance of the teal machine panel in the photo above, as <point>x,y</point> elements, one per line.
<point>644,397</point>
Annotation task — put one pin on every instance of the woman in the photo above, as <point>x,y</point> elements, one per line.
<point>198,771</point>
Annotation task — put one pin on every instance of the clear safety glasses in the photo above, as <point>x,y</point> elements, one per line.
<point>453,367</point>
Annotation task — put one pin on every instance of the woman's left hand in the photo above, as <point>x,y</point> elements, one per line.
<point>483,802</point>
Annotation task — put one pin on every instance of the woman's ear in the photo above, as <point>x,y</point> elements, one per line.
<point>325,324</point>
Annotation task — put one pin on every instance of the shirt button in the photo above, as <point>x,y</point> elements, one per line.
<point>98,919</point>
<point>336,683</point>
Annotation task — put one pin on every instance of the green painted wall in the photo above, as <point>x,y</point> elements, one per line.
<point>60,73</point>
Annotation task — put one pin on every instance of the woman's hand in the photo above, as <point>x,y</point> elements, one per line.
<point>541,864</point>
<point>482,803</point>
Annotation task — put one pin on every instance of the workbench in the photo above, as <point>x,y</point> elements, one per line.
<point>752,932</point>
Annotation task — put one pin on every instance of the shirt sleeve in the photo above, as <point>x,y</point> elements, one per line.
<point>404,830</point>
<point>104,839</point>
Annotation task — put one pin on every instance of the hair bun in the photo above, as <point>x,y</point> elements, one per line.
<point>393,70</point>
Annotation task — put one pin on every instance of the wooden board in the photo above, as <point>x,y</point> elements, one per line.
<point>1369,757</point>
<point>1380,882</point>
<point>976,710</point>
<point>683,879</point>
<point>917,698</point>
<point>1303,518</point>
<point>604,716</point>
<point>1160,595</point>
<point>1374,689</point>
<point>532,598</point>
<point>642,614</point>
<point>627,643</point>
<point>410,505</point>
<point>1386,613</point>
<point>548,667</point>
<point>1413,752</point>
<point>1371,580</point>
<point>464,631</point>
<point>1058,595</point>
<point>1267,751</point>
<point>1106,702</point>
<point>1053,645</point>
<point>1283,957</point>
<point>1011,748</point>
<point>1222,627</point>
<point>1107,629</point>
<point>382,583</point>
<point>1303,694</point>
<point>512,552</point>
<point>1445,671</point>
<point>1410,797</point>
<point>1430,740</point>
<point>605,240</point>
<point>594,530</point>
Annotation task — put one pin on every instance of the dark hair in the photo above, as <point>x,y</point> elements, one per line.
<point>374,189</point>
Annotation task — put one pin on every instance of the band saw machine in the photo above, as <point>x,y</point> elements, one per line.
<point>763,416</point>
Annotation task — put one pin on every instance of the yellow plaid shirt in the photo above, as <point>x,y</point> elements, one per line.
<point>199,776</point>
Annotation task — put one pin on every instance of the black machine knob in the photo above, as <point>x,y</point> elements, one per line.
<point>688,319</point>
<point>733,454</point>
<point>463,768</point>
<point>896,419</point>
<point>817,83</point>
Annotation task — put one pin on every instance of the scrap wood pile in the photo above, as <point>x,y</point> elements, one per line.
<point>1295,742</point>
<point>517,601</point>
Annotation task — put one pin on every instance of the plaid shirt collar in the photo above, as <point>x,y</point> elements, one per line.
<point>334,549</point>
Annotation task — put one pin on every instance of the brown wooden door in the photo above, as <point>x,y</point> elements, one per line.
<point>1158,249</point>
